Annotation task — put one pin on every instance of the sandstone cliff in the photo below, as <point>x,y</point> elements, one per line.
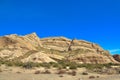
<point>32,48</point>
<point>78,50</point>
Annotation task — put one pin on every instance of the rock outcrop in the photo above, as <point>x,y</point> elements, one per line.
<point>92,58</point>
<point>12,46</point>
<point>116,57</point>
<point>28,42</point>
<point>32,48</point>
<point>56,43</point>
<point>38,57</point>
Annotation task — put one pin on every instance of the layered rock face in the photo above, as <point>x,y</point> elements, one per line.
<point>12,46</point>
<point>79,51</point>
<point>56,43</point>
<point>116,57</point>
<point>32,48</point>
<point>28,42</point>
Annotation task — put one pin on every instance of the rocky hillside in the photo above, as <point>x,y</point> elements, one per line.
<point>32,48</point>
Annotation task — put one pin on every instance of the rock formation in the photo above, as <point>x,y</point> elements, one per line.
<point>32,48</point>
<point>116,57</point>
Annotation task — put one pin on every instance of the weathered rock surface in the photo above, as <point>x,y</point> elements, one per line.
<point>116,57</point>
<point>32,48</point>
<point>12,46</point>
<point>92,58</point>
<point>56,43</point>
<point>38,57</point>
<point>79,50</point>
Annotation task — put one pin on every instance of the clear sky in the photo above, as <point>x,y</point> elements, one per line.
<point>93,20</point>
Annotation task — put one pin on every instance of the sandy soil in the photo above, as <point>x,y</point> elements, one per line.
<point>15,73</point>
<point>29,76</point>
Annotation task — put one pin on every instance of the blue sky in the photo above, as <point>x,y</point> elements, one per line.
<point>93,20</point>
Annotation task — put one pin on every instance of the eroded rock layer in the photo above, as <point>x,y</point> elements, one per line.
<point>32,48</point>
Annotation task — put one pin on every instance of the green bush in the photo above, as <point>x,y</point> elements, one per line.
<point>28,65</point>
<point>73,67</point>
<point>46,65</point>
<point>53,64</point>
<point>9,63</point>
<point>18,63</point>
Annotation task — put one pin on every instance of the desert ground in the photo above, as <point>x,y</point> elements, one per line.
<point>29,76</point>
<point>16,73</point>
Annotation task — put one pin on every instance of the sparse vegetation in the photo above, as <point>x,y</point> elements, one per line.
<point>46,65</point>
<point>73,73</point>
<point>18,72</point>
<point>46,72</point>
<point>62,64</point>
<point>61,71</point>
<point>85,73</point>
<point>28,65</point>
<point>91,77</point>
<point>61,76</point>
<point>0,70</point>
<point>25,55</point>
<point>37,72</point>
<point>66,63</point>
<point>119,71</point>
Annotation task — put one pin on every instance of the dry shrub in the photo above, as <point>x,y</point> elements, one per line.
<point>119,72</point>
<point>84,73</point>
<point>18,72</point>
<point>91,77</point>
<point>47,72</point>
<point>61,72</point>
<point>98,76</point>
<point>0,70</point>
<point>37,72</point>
<point>61,76</point>
<point>73,73</point>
